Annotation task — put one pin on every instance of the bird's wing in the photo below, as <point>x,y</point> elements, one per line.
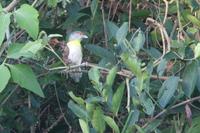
<point>65,53</point>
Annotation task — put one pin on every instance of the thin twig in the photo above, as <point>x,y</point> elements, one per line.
<point>129,15</point>
<point>10,94</point>
<point>58,101</point>
<point>11,6</point>
<point>54,124</point>
<point>173,107</point>
<point>166,11</point>
<point>104,24</point>
<point>128,95</point>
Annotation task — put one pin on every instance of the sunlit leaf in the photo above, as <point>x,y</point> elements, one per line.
<point>4,21</point>
<point>112,124</point>
<point>52,3</point>
<point>4,78</point>
<point>24,76</point>
<point>117,98</point>
<point>197,50</point>
<point>98,121</point>
<point>77,110</point>
<point>78,100</point>
<point>84,126</point>
<point>27,18</point>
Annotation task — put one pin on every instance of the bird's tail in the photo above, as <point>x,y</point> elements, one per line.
<point>76,74</point>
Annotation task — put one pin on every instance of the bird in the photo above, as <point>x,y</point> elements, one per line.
<point>72,53</point>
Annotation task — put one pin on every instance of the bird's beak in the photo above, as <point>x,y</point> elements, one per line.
<point>84,36</point>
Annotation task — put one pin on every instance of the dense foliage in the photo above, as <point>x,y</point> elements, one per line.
<point>141,66</point>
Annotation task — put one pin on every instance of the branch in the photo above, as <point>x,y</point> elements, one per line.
<point>173,107</point>
<point>124,73</point>
<point>11,6</point>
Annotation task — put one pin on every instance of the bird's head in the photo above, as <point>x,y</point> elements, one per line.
<point>77,35</point>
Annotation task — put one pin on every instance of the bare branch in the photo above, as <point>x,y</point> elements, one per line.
<point>12,5</point>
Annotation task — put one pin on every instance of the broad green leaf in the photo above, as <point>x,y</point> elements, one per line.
<point>111,76</point>
<point>132,63</point>
<point>77,110</point>
<point>117,98</point>
<point>152,126</point>
<point>189,78</point>
<point>23,75</point>
<point>78,100</point>
<point>90,107</point>
<point>131,120</point>
<point>112,29</point>
<point>139,129</point>
<point>101,52</point>
<point>4,21</point>
<point>14,51</point>
<point>1,8</point>
<point>52,3</point>
<point>167,90</point>
<point>122,32</point>
<point>147,104</point>
<point>28,50</point>
<point>109,82</point>
<point>112,124</point>
<point>98,121</point>
<point>84,126</point>
<point>161,67</point>
<point>197,50</point>
<point>198,79</point>
<point>195,127</point>
<point>94,74</point>
<point>94,7</point>
<point>95,99</point>
<point>187,15</point>
<point>138,40</point>
<point>27,18</point>
<point>4,78</point>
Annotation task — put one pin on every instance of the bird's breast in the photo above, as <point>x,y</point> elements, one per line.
<point>75,54</point>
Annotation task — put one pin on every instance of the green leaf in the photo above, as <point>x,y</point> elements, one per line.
<point>24,76</point>
<point>131,120</point>
<point>111,76</point>
<point>147,104</point>
<point>161,67</point>
<point>52,3</point>
<point>4,21</point>
<point>77,110</point>
<point>167,90</point>
<point>4,78</point>
<point>138,40</point>
<point>84,126</point>
<point>112,124</point>
<point>94,74</point>
<point>78,100</point>
<point>98,121</point>
<point>112,29</point>
<point>195,127</point>
<point>101,52</point>
<point>197,50</point>
<point>187,15</point>
<point>93,99</point>
<point>27,18</point>
<point>28,50</point>
<point>190,78</point>
<point>94,7</point>
<point>132,63</point>
<point>122,32</point>
<point>117,98</point>
<point>152,126</point>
